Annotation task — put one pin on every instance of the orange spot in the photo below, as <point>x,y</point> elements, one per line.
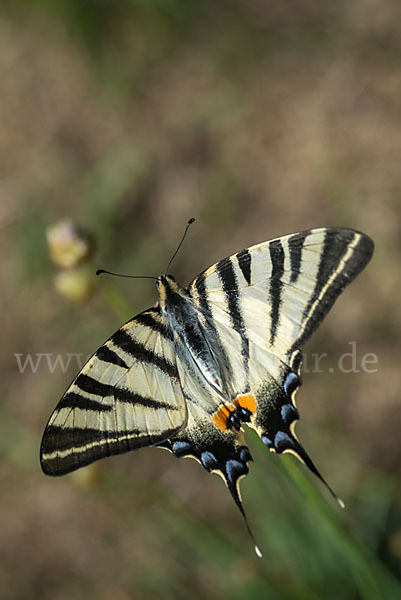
<point>221,416</point>
<point>246,401</point>
<point>220,421</point>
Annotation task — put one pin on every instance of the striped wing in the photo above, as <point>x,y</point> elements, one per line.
<point>128,395</point>
<point>271,297</point>
<point>276,293</point>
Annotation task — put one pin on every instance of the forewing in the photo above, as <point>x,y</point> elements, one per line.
<point>276,293</point>
<point>128,395</point>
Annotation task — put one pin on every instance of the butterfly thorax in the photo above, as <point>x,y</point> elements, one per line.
<point>197,343</point>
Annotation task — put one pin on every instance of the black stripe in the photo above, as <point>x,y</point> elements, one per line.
<point>244,261</point>
<point>107,355</point>
<point>160,326</point>
<point>295,244</point>
<point>227,276</point>
<point>276,285</point>
<point>125,395</point>
<point>65,439</point>
<point>73,400</point>
<point>228,279</point>
<point>138,351</point>
<point>200,285</point>
<point>335,245</point>
<point>93,386</point>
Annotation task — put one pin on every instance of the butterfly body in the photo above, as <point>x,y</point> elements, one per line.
<point>194,338</point>
<point>226,351</point>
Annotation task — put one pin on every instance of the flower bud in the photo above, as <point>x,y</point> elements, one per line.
<point>69,244</point>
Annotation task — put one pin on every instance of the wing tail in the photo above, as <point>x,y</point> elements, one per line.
<point>223,453</point>
<point>232,473</point>
<point>288,443</point>
<point>276,417</point>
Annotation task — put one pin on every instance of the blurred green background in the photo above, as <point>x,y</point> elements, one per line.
<point>259,119</point>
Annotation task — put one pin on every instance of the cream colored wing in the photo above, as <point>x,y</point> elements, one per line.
<point>276,293</point>
<point>128,395</point>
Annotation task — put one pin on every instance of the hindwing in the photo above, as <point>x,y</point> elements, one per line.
<point>222,452</point>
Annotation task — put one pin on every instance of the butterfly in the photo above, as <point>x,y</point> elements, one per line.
<point>188,373</point>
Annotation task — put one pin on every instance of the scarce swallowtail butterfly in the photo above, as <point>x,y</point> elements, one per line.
<point>187,374</point>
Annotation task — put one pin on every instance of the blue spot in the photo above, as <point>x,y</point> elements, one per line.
<point>182,448</point>
<point>267,441</point>
<point>209,461</point>
<point>244,454</point>
<point>282,441</point>
<point>291,383</point>
<point>289,413</point>
<point>234,469</point>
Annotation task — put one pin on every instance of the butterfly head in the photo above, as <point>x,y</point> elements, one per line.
<point>169,289</point>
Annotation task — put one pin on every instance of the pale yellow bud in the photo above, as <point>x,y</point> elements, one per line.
<point>76,285</point>
<point>68,244</point>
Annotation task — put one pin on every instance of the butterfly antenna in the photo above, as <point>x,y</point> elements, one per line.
<point>100,271</point>
<point>180,244</point>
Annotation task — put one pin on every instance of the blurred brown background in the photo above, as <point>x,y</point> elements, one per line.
<point>259,119</point>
